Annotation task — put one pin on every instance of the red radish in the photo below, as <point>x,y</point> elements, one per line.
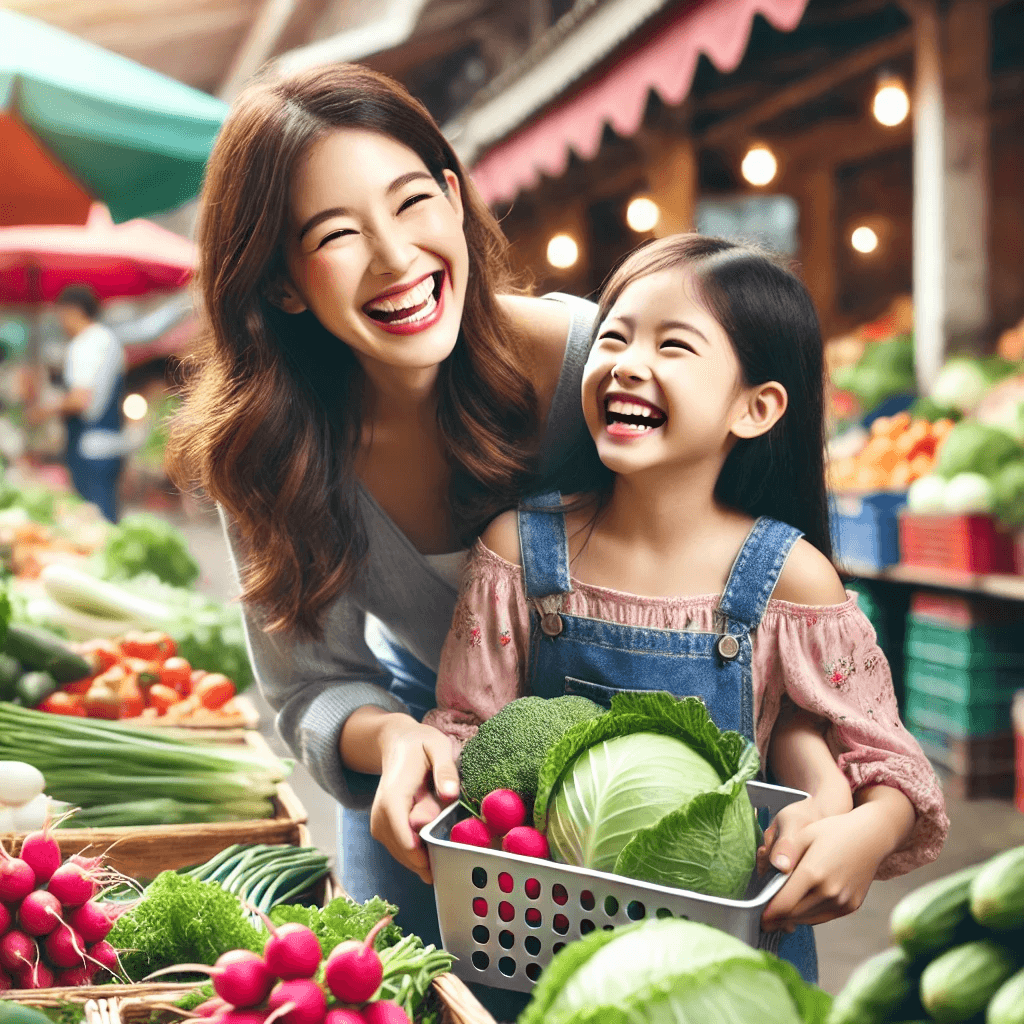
<point>211,1006</point>
<point>36,975</point>
<point>340,1015</point>
<point>297,1001</point>
<point>104,954</point>
<point>384,1012</point>
<point>17,950</point>
<point>91,921</point>
<point>471,832</point>
<point>240,977</point>
<point>502,809</point>
<point>526,842</point>
<point>353,971</point>
<point>233,1016</point>
<point>292,951</point>
<point>5,919</point>
<point>65,948</point>
<point>6,983</point>
<point>39,913</point>
<point>71,884</point>
<point>89,863</point>
<point>76,977</point>
<point>41,852</point>
<point>17,879</point>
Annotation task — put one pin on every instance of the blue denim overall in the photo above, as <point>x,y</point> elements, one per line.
<point>594,658</point>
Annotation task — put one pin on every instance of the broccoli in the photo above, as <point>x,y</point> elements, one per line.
<point>508,750</point>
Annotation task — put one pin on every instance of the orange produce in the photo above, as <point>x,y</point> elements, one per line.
<point>215,690</point>
<point>162,697</point>
<point>131,702</point>
<point>899,450</point>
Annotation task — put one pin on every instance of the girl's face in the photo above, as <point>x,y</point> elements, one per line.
<point>376,250</point>
<point>662,386</point>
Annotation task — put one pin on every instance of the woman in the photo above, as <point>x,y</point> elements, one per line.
<point>368,395</point>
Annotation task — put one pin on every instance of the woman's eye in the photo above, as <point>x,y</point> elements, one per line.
<point>676,343</point>
<point>412,200</point>
<point>340,233</point>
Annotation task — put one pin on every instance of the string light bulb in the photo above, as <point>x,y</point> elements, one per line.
<point>642,214</point>
<point>759,166</point>
<point>563,252</point>
<point>135,406</point>
<point>891,104</point>
<point>864,239</point>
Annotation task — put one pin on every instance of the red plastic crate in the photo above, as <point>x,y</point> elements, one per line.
<point>959,543</point>
<point>1018,728</point>
<point>959,611</point>
<point>1018,552</point>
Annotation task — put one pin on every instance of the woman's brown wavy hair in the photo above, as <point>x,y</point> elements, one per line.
<point>272,416</point>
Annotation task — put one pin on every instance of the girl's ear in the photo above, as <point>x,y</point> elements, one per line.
<point>454,192</point>
<point>761,409</point>
<point>281,293</point>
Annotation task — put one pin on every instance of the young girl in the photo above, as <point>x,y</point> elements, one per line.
<point>703,393</point>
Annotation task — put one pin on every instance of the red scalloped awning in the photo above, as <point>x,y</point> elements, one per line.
<point>665,62</point>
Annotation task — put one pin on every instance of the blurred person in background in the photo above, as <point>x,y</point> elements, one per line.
<point>90,405</point>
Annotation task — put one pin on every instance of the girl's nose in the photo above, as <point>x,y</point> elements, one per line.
<point>631,370</point>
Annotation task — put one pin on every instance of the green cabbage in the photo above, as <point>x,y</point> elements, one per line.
<point>1008,494</point>
<point>670,971</point>
<point>653,790</point>
<point>971,447</point>
<point>963,382</point>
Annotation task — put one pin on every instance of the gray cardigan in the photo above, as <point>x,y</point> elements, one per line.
<point>315,685</point>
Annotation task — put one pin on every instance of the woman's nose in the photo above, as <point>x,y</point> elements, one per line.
<point>391,254</point>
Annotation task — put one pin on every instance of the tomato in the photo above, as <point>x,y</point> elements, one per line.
<point>162,697</point>
<point>113,677</point>
<point>101,701</point>
<point>148,672</point>
<point>215,690</point>
<point>101,653</point>
<point>153,646</point>
<point>198,675</point>
<point>177,674</point>
<point>63,703</point>
<point>79,687</point>
<point>130,700</point>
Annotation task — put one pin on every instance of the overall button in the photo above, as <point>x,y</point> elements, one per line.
<point>728,647</point>
<point>551,624</point>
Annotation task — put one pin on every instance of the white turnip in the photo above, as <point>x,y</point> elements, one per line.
<point>353,971</point>
<point>240,977</point>
<point>19,782</point>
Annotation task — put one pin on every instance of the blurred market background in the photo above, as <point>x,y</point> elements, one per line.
<point>879,144</point>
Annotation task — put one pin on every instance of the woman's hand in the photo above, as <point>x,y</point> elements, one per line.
<point>417,778</point>
<point>832,860</point>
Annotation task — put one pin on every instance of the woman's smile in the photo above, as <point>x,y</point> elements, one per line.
<point>409,309</point>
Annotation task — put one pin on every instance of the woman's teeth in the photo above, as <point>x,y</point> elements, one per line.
<point>408,308</point>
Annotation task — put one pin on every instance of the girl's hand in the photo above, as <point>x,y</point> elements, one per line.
<point>833,860</point>
<point>418,777</point>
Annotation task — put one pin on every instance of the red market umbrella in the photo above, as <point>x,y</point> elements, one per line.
<point>116,261</point>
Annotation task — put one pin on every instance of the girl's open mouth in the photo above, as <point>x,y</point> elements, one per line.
<point>412,309</point>
<point>631,417</point>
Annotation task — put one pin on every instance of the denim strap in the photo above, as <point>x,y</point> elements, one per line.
<point>544,545</point>
<point>756,571</point>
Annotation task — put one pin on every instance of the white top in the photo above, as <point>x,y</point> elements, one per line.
<point>449,565</point>
<point>95,360</point>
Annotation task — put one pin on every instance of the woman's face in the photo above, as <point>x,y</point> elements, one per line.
<point>376,250</point>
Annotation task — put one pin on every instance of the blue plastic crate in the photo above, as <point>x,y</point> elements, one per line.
<point>865,531</point>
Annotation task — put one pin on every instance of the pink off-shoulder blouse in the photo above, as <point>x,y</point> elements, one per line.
<point>825,659</point>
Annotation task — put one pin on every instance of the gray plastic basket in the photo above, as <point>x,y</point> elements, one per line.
<point>504,917</point>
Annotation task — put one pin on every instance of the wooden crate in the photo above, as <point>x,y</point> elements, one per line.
<point>144,851</point>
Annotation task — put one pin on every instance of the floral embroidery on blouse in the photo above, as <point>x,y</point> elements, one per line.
<point>838,672</point>
<point>871,661</point>
<point>505,638</point>
<point>466,625</point>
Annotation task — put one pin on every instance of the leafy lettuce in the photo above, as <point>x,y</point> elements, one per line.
<point>653,790</point>
<point>670,971</point>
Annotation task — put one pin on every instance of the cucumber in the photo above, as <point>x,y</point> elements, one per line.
<point>927,919</point>
<point>37,649</point>
<point>997,893</point>
<point>34,687</point>
<point>10,673</point>
<point>15,1013</point>
<point>1007,1005</point>
<point>875,989</point>
<point>959,983</point>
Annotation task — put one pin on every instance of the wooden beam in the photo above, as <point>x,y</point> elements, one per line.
<point>806,89</point>
<point>258,45</point>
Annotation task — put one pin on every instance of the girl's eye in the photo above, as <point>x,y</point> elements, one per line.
<point>340,233</point>
<point>676,343</point>
<point>412,200</point>
<point>611,336</point>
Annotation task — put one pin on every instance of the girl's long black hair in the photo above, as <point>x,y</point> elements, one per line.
<point>770,319</point>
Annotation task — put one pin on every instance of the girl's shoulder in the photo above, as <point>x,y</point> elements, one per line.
<point>501,536</point>
<point>809,578</point>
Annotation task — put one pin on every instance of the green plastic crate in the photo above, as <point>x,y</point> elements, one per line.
<point>926,711</point>
<point>964,685</point>
<point>981,647</point>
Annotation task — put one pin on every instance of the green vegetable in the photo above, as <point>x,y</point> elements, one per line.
<point>343,919</point>
<point>182,921</point>
<point>971,447</point>
<point>959,983</point>
<point>926,408</point>
<point>1007,1005</point>
<point>874,991</point>
<point>963,382</point>
<point>39,649</point>
<point>927,919</point>
<point>653,790</point>
<point>15,1013</point>
<point>34,687</point>
<point>143,543</point>
<point>967,494</point>
<point>670,971</point>
<point>997,892</point>
<point>10,673</point>
<point>89,762</point>
<point>1008,494</point>
<point>509,748</point>
<point>886,368</point>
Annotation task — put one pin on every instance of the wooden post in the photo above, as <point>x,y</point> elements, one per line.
<point>818,236</point>
<point>672,178</point>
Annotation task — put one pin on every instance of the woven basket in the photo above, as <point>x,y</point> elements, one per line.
<point>144,851</point>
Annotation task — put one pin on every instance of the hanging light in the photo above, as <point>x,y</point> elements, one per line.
<point>563,252</point>
<point>135,406</point>
<point>642,214</point>
<point>759,165</point>
<point>864,239</point>
<point>891,104</point>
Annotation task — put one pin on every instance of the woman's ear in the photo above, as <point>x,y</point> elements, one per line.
<point>281,293</point>
<point>761,409</point>
<point>454,192</point>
